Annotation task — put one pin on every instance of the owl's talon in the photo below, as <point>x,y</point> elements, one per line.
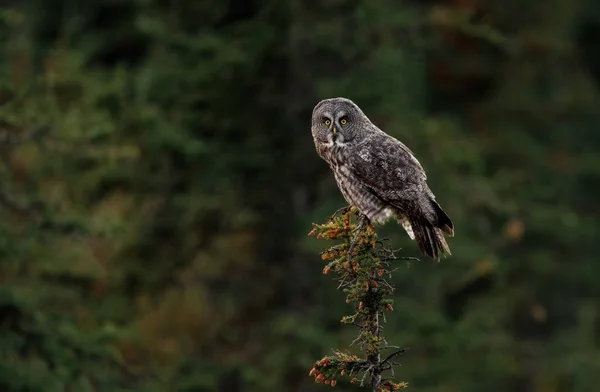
<point>343,211</point>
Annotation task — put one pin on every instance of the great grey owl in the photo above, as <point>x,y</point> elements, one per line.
<point>378,174</point>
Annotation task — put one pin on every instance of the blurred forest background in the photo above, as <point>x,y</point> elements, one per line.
<point>158,179</point>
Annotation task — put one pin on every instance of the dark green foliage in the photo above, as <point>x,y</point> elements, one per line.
<point>157,177</point>
<point>47,351</point>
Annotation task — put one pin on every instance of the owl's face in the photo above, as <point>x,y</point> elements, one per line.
<point>336,121</point>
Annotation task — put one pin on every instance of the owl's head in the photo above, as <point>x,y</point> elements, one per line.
<point>338,120</point>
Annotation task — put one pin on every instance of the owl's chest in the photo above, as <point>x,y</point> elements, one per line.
<point>354,189</point>
<point>350,185</point>
<point>335,154</point>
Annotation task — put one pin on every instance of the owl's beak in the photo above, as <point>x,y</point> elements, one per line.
<point>334,130</point>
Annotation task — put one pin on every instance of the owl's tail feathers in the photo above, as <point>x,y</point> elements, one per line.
<point>442,219</point>
<point>430,239</point>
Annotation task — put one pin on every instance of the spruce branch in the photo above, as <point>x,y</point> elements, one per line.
<point>361,262</point>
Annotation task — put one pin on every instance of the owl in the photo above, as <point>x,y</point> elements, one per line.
<point>379,175</point>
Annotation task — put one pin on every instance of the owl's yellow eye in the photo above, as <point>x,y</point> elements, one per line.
<point>343,121</point>
<point>327,122</point>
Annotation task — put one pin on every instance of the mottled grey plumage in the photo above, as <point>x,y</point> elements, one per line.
<point>378,174</point>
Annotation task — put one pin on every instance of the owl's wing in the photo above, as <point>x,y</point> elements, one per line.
<point>388,168</point>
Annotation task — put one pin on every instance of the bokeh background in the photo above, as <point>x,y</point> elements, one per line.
<point>158,180</point>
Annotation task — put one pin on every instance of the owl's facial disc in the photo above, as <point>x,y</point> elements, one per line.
<point>332,127</point>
